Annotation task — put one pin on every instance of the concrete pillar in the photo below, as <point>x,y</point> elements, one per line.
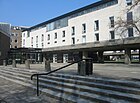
<point>47,66</point>
<point>27,64</point>
<point>14,63</point>
<point>127,56</point>
<point>100,57</point>
<point>85,55</point>
<point>4,63</point>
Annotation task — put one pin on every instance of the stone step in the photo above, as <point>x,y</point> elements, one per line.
<point>57,95</point>
<point>123,89</point>
<point>23,71</point>
<point>98,85</point>
<point>94,90</point>
<point>79,87</point>
<point>126,83</point>
<point>117,82</point>
<point>79,82</point>
<point>78,95</point>
<point>60,85</point>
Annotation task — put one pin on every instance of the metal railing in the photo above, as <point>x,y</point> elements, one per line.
<point>39,74</point>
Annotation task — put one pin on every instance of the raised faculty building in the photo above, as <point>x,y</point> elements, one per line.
<point>89,31</point>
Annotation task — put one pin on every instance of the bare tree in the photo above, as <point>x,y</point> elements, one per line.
<point>122,25</point>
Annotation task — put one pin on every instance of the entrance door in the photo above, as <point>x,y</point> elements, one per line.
<point>65,58</point>
<point>54,58</point>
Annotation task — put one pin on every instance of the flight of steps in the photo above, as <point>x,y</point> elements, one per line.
<point>78,89</point>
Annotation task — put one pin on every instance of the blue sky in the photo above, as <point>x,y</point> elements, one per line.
<point>32,12</point>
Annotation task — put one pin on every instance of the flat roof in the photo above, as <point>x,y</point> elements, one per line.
<point>70,13</point>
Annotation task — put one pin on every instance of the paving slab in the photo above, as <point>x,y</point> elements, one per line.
<point>11,92</point>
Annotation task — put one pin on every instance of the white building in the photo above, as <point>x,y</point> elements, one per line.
<point>82,30</point>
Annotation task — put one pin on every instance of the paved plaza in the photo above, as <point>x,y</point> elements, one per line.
<point>107,69</point>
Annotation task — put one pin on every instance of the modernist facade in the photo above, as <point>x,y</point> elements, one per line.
<point>4,41</point>
<point>16,34</point>
<point>85,32</point>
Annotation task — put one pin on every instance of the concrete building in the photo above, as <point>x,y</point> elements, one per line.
<point>85,32</point>
<point>16,35</point>
<point>4,41</point>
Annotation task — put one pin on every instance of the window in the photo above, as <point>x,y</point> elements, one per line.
<point>28,34</point>
<point>83,28</point>
<point>12,34</point>
<point>63,40</point>
<point>15,46</point>
<point>55,41</point>
<point>15,41</point>
<point>73,30</point>
<point>55,36</point>
<point>130,32</point>
<point>32,40</point>
<point>42,37</point>
<point>42,45</point>
<point>73,40</point>
<point>96,25</point>
<point>36,39</point>
<point>16,34</point>
<point>48,36</point>
<point>129,2</point>
<point>84,39</point>
<point>129,17</point>
<point>63,34</point>
<point>97,36</point>
<point>112,35</point>
<point>23,34</point>
<point>36,45</point>
<point>111,21</point>
<point>23,41</point>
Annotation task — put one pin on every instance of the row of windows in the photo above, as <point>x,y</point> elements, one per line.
<point>96,28</point>
<point>73,41</point>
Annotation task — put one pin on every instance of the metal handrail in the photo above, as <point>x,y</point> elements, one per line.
<point>38,74</point>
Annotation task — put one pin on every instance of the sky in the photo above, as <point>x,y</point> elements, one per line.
<point>32,12</point>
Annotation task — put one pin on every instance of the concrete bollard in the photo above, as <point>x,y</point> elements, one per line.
<point>4,63</point>
<point>14,63</point>
<point>27,64</point>
<point>47,66</point>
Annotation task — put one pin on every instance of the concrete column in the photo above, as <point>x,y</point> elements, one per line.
<point>85,54</point>
<point>47,66</point>
<point>14,63</point>
<point>4,63</point>
<point>127,59</point>
<point>100,57</point>
<point>27,64</point>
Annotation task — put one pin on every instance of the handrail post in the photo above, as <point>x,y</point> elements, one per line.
<point>37,85</point>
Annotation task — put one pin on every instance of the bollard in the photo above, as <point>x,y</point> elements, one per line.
<point>14,63</point>
<point>4,63</point>
<point>47,66</point>
<point>27,64</point>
